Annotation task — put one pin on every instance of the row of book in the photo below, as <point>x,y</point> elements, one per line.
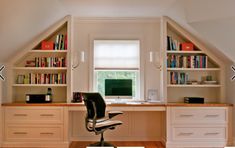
<point>38,78</point>
<point>173,44</point>
<point>61,42</point>
<point>186,61</point>
<point>178,78</point>
<point>46,62</point>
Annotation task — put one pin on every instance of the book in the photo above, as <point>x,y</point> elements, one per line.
<point>56,42</point>
<point>66,42</point>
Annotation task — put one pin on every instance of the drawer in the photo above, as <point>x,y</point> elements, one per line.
<point>199,133</point>
<point>198,115</point>
<point>33,114</point>
<point>34,133</point>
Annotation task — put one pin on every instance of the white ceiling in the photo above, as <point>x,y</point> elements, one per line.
<point>23,20</point>
<point>116,8</point>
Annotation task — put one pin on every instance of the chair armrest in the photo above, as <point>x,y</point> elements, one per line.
<point>114,113</point>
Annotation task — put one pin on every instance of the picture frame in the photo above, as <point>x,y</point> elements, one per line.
<point>152,95</point>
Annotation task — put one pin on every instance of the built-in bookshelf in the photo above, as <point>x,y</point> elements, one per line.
<point>190,69</point>
<point>44,64</point>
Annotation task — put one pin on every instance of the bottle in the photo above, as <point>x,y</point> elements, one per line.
<point>49,95</point>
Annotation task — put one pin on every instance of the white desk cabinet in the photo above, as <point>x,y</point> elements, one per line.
<point>198,126</point>
<point>34,126</point>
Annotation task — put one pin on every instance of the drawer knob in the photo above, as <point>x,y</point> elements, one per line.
<point>20,133</point>
<point>185,115</point>
<point>211,133</point>
<point>46,133</point>
<point>21,115</point>
<point>185,134</point>
<point>212,116</point>
<point>46,115</point>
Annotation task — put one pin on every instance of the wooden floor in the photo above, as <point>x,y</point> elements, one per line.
<point>145,144</point>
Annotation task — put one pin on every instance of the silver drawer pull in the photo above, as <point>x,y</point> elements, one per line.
<point>185,115</point>
<point>46,115</point>
<point>21,115</point>
<point>20,133</point>
<point>211,133</point>
<point>212,116</point>
<point>185,134</point>
<point>46,133</point>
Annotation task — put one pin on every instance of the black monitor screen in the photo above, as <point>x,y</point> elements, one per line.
<point>118,87</point>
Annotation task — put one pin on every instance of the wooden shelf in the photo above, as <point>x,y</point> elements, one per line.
<point>47,51</point>
<point>193,85</point>
<point>40,68</point>
<point>39,85</point>
<point>193,69</point>
<point>185,52</point>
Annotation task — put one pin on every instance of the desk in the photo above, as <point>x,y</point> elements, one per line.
<point>122,107</point>
<point>64,122</point>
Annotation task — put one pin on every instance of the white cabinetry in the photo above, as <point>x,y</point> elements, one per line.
<point>198,126</point>
<point>39,126</point>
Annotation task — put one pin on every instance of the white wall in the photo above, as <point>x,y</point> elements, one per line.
<point>23,20</point>
<point>147,31</point>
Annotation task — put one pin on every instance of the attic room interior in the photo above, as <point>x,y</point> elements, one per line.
<point>115,73</point>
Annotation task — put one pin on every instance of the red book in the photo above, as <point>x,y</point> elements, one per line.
<point>66,42</point>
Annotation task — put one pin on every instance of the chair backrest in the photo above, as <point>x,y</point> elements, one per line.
<point>99,104</point>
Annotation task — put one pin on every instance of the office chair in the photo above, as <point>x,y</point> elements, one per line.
<point>95,120</point>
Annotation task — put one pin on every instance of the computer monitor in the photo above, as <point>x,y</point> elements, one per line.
<point>118,88</point>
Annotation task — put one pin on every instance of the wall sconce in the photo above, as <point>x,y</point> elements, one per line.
<point>154,58</point>
<point>79,58</point>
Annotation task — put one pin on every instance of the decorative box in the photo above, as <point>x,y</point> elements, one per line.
<point>47,45</point>
<point>187,46</point>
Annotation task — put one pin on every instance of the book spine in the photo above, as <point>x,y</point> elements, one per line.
<point>168,43</point>
<point>56,42</point>
<point>66,42</point>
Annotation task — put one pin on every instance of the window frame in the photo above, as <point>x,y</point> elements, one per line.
<point>108,36</point>
<point>90,53</point>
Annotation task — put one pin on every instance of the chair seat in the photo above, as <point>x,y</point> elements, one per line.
<point>105,124</point>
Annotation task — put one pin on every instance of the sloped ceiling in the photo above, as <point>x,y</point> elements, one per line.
<point>211,21</point>
<point>22,20</point>
<point>214,20</point>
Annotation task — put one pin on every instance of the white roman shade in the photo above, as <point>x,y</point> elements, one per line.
<point>116,54</point>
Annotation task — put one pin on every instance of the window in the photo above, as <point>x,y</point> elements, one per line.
<point>117,59</point>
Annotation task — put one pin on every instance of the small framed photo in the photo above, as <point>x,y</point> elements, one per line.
<point>153,95</point>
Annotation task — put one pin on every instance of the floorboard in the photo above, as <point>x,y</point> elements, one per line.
<point>145,144</point>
